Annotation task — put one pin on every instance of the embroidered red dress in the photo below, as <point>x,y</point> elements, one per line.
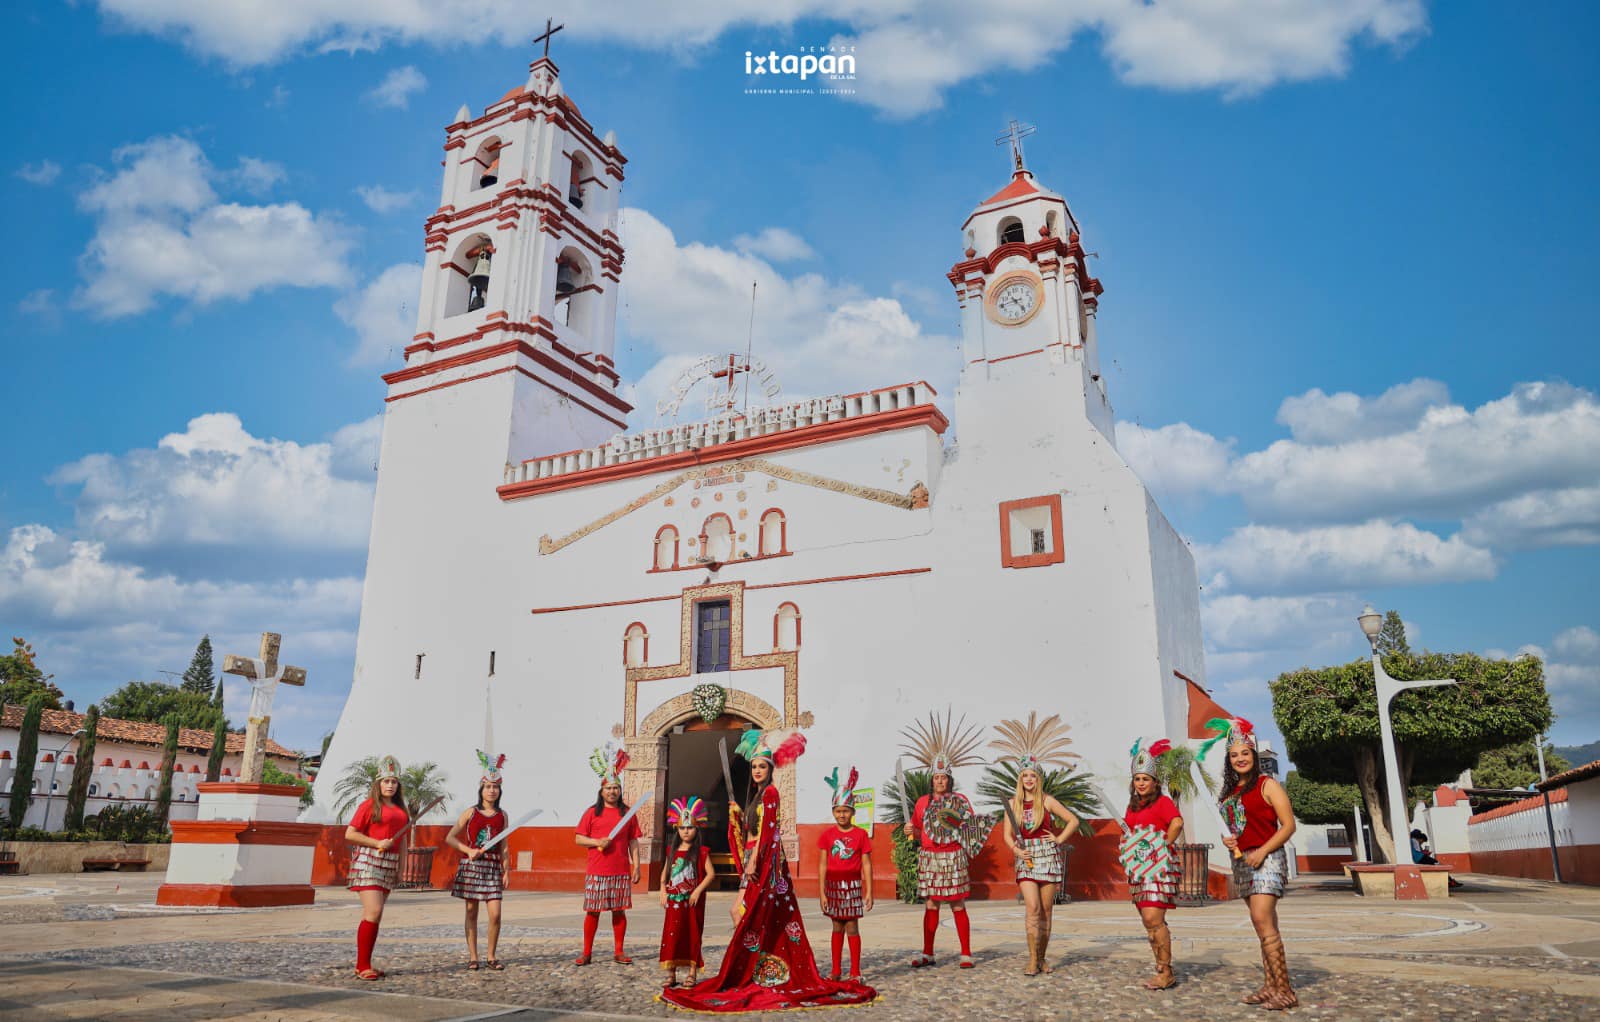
<point>842,893</point>
<point>768,965</point>
<point>684,923</point>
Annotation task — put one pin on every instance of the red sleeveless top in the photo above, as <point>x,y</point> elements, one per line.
<point>1260,819</point>
<point>1035,821</point>
<point>485,827</point>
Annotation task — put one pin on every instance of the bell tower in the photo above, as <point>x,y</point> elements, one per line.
<point>1027,300</point>
<point>521,270</point>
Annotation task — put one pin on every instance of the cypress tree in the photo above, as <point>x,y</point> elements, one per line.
<point>169,760</point>
<point>219,747</point>
<point>27,755</point>
<point>78,794</point>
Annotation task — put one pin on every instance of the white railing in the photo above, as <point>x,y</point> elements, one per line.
<point>724,429</point>
<point>1526,828</point>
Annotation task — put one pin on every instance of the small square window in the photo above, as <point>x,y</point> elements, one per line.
<point>1031,532</point>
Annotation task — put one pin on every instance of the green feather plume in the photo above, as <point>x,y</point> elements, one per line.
<point>748,743</point>
<point>1219,726</point>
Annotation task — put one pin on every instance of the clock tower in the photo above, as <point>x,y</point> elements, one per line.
<point>1027,299</point>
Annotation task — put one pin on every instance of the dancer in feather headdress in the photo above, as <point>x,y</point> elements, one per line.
<point>847,873</point>
<point>768,965</point>
<point>684,881</point>
<point>1152,825</point>
<point>947,830</point>
<point>1258,813</point>
<point>613,861</point>
<point>1037,747</point>
<point>481,875</point>
<point>375,867</point>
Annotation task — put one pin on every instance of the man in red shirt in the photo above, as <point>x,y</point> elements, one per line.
<point>613,866</point>
<point>847,874</point>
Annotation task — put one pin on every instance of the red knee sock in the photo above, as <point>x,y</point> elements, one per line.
<point>930,926</point>
<point>591,926</point>
<point>619,929</point>
<point>366,939</point>
<point>964,931</point>
<point>855,954</point>
<point>838,949</point>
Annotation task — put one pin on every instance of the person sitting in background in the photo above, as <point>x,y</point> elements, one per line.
<point>1419,850</point>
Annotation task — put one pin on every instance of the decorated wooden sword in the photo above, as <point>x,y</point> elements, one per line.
<point>430,807</point>
<point>630,814</point>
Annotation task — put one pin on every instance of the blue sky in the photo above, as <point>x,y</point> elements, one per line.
<point>1348,321</point>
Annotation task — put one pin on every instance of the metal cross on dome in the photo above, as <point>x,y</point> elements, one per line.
<point>1015,133</point>
<point>550,29</point>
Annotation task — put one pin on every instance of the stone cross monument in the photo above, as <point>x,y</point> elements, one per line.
<point>264,674</point>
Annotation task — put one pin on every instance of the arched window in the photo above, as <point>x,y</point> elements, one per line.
<point>666,550</point>
<point>94,789</point>
<point>483,168</point>
<point>467,289</point>
<point>1052,224</point>
<point>716,539</point>
<point>635,645</point>
<point>786,627</point>
<point>576,291</point>
<point>149,794</point>
<point>774,536</point>
<point>1011,230</point>
<point>971,241</point>
<point>115,791</point>
<point>578,184</point>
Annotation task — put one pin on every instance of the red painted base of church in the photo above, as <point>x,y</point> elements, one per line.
<point>228,896</point>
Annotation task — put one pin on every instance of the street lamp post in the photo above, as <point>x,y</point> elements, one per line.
<point>1371,624</point>
<point>55,761</point>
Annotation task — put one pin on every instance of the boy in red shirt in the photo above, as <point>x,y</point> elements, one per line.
<point>847,874</point>
<point>613,866</point>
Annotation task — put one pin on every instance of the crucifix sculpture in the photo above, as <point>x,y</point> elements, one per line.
<point>550,29</point>
<point>1015,133</point>
<point>263,674</point>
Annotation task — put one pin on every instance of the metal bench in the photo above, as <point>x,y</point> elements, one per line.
<point>9,866</point>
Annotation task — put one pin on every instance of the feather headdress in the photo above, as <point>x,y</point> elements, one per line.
<point>1145,753</point>
<point>779,747</point>
<point>1037,745</point>
<point>388,769</point>
<point>940,746</point>
<point>1236,730</point>
<point>491,767</point>
<point>843,794</point>
<point>687,810</point>
<point>608,763</point>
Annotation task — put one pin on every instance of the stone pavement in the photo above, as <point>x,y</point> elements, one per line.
<point>95,946</point>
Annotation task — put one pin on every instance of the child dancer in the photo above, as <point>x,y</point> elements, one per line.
<point>683,891</point>
<point>1154,824</point>
<point>1261,820</point>
<point>375,867</point>
<point>481,876</point>
<point>613,863</point>
<point>847,877</point>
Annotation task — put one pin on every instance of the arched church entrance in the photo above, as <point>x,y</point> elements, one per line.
<point>694,767</point>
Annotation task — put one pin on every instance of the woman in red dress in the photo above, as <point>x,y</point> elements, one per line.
<point>613,866</point>
<point>1257,811</point>
<point>375,867</point>
<point>683,891</point>
<point>1153,824</point>
<point>1037,747</point>
<point>768,965</point>
<point>481,875</point>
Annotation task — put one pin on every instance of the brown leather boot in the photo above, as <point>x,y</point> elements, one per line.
<point>1161,948</point>
<point>1044,946</point>
<point>1032,928</point>
<point>1281,995</point>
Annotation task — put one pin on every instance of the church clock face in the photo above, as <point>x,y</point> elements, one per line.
<point>1013,299</point>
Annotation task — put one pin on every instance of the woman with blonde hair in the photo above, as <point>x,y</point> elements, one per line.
<point>1036,747</point>
<point>375,867</point>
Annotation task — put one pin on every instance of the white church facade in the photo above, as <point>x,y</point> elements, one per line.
<point>838,565</point>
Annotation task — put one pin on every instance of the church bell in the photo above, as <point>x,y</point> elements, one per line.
<point>491,175</point>
<point>478,282</point>
<point>566,279</point>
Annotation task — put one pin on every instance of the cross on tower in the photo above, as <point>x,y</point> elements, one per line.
<point>263,674</point>
<point>1015,133</point>
<point>550,29</point>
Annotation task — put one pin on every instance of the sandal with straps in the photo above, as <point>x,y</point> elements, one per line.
<point>472,966</point>
<point>497,965</point>
<point>369,974</point>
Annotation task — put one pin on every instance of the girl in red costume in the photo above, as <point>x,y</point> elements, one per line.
<point>375,867</point>
<point>948,832</point>
<point>1257,811</point>
<point>684,882</point>
<point>1036,747</point>
<point>769,965</point>
<point>613,861</point>
<point>481,876</point>
<point>1153,824</point>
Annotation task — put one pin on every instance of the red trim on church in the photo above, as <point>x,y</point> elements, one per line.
<point>1055,555</point>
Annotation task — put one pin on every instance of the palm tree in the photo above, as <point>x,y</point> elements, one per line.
<point>1073,790</point>
<point>421,782</point>
<point>897,808</point>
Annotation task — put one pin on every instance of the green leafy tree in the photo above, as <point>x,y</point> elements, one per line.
<point>216,697</point>
<point>1515,765</point>
<point>169,762</point>
<point>21,679</point>
<point>1316,802</point>
<point>201,677</point>
<point>1392,636</point>
<point>82,770</point>
<point>1329,720</point>
<point>153,701</point>
<point>421,782</point>
<point>27,756</point>
<point>219,748</point>
<point>272,773</point>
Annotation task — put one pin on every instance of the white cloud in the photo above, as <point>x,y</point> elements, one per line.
<point>383,314</point>
<point>397,88</point>
<point>1542,518</point>
<point>1177,459</point>
<point>39,302</point>
<point>1318,418</point>
<point>258,176</point>
<point>1265,559</point>
<point>279,98</point>
<point>819,336</point>
<point>381,200</point>
<point>909,54</point>
<point>42,173</point>
<point>1295,629</point>
<point>775,244</point>
<point>215,486</point>
<point>1579,645</point>
<point>161,230</point>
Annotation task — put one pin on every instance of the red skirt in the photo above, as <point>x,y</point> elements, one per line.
<point>680,934</point>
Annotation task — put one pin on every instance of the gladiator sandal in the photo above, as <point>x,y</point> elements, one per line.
<point>1161,947</point>
<point>1032,929</point>
<point>1282,995</point>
